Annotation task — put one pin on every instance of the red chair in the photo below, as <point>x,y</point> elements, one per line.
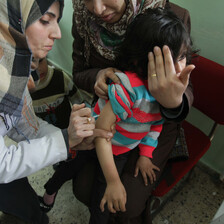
<point>208,83</point>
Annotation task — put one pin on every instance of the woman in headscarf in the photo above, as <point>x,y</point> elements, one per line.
<point>28,31</point>
<point>98,28</point>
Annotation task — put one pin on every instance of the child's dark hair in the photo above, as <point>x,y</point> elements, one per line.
<point>156,27</point>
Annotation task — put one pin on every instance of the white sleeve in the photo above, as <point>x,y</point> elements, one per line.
<point>25,158</point>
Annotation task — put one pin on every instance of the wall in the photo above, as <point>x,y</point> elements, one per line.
<point>207,31</point>
<point>207,20</point>
<point>61,54</point>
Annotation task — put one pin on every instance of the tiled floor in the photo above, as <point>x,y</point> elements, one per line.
<point>196,203</point>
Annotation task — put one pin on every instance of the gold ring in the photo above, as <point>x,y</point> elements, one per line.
<point>154,75</point>
<point>89,120</point>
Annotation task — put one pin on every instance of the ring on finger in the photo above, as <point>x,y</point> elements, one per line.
<point>89,120</point>
<point>154,75</point>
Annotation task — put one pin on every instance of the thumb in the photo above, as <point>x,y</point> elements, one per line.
<point>102,133</point>
<point>113,76</point>
<point>76,107</point>
<point>185,74</point>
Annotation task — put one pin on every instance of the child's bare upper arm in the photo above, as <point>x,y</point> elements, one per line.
<point>107,118</point>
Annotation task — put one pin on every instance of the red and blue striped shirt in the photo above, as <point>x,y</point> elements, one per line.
<point>138,118</point>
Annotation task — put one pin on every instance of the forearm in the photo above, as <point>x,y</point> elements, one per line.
<point>85,79</point>
<point>180,113</point>
<point>103,147</point>
<point>18,161</point>
<point>106,159</point>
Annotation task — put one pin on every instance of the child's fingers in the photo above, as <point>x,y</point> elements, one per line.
<point>136,171</point>
<point>102,204</point>
<point>153,176</point>
<point>122,205</point>
<point>110,207</point>
<point>156,168</point>
<point>116,206</point>
<point>145,178</point>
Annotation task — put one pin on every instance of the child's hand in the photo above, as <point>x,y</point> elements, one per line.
<point>145,165</point>
<point>115,197</point>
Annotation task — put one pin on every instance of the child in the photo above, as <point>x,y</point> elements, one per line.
<point>132,107</point>
<point>53,94</point>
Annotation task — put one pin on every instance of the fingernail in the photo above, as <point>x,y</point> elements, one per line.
<point>156,49</point>
<point>165,47</point>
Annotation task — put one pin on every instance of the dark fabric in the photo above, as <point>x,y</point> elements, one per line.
<point>84,181</point>
<point>198,143</point>
<point>19,199</point>
<point>99,187</point>
<point>137,193</point>
<point>212,74</point>
<point>182,13</point>
<point>85,77</point>
<point>180,149</point>
<point>68,170</point>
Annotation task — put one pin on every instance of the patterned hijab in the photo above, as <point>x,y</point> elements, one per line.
<point>103,36</point>
<point>15,55</point>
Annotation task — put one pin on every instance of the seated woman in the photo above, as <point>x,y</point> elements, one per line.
<point>96,38</point>
<point>132,107</point>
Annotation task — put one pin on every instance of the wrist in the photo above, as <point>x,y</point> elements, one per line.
<point>173,105</point>
<point>114,181</point>
<point>177,108</point>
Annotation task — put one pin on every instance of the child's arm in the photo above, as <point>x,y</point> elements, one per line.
<point>147,146</point>
<point>115,194</point>
<point>145,165</point>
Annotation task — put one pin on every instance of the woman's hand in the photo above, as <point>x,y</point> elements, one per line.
<point>145,165</point>
<point>101,88</point>
<point>81,130</point>
<point>88,142</point>
<point>168,86</point>
<point>80,126</point>
<point>115,197</point>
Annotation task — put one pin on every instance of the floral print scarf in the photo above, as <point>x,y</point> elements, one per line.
<point>103,36</point>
